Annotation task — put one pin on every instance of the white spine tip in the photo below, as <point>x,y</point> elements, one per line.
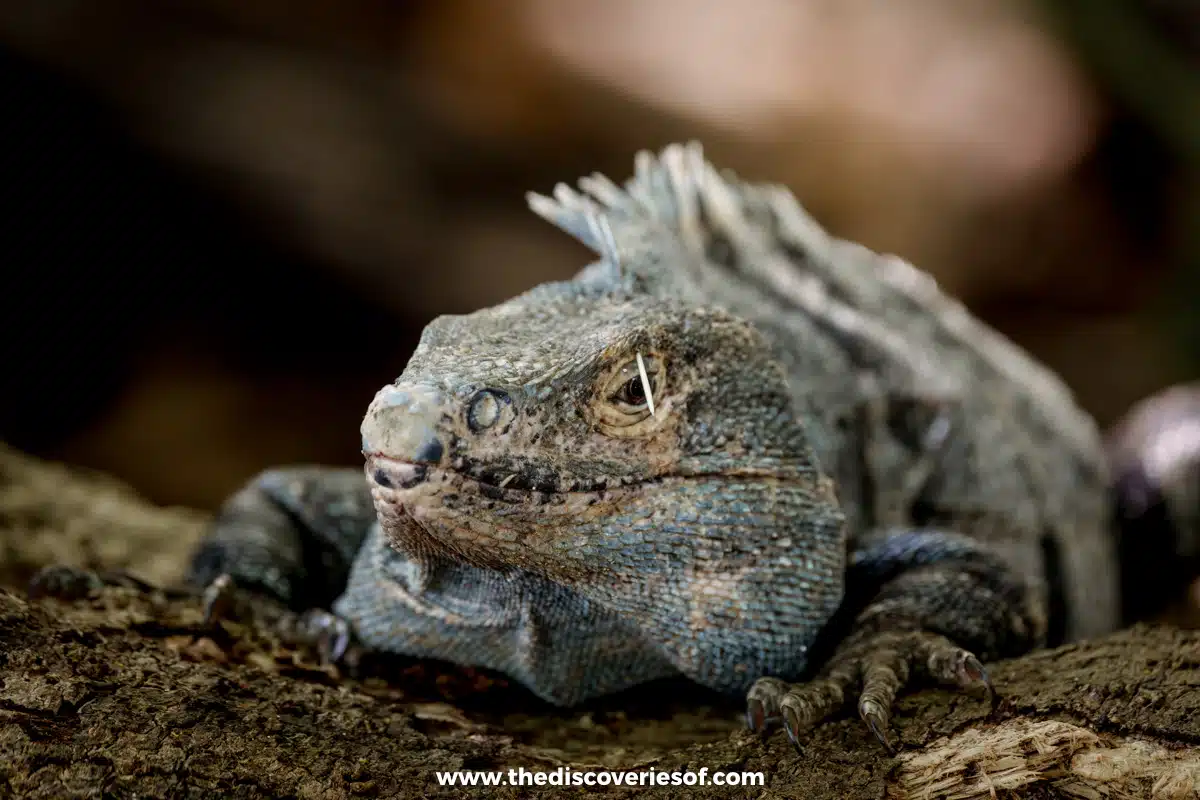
<point>646,384</point>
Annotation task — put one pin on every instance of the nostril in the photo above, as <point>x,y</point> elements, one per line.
<point>403,424</point>
<point>388,474</point>
<point>430,451</point>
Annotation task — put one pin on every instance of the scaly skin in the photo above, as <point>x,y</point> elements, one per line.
<point>845,478</point>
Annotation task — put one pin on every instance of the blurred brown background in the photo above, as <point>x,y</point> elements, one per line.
<point>225,223</point>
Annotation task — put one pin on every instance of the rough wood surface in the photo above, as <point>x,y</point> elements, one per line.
<point>123,695</point>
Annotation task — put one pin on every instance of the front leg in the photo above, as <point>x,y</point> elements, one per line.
<point>285,543</point>
<point>280,549</point>
<point>291,534</point>
<point>927,602</point>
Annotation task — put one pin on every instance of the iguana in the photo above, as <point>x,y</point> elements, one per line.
<point>735,448</point>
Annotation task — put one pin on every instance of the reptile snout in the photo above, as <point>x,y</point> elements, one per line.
<point>400,430</point>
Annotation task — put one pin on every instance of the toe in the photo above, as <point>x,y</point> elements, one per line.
<point>762,703</point>
<point>876,717</point>
<point>63,581</point>
<point>885,673</point>
<point>808,704</point>
<point>329,633</point>
<point>323,630</point>
<point>949,664</point>
<point>218,598</point>
<point>338,641</point>
<point>792,725</point>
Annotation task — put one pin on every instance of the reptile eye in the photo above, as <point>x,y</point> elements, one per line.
<point>630,400</point>
<point>633,391</point>
<point>486,408</point>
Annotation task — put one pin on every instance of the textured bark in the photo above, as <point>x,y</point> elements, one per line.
<point>124,694</point>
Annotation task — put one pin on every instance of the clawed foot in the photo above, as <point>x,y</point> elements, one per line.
<point>878,668</point>
<point>327,633</point>
<point>70,583</point>
<point>64,582</point>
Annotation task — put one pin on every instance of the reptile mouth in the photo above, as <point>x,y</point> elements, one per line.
<point>509,486</point>
<point>493,483</point>
<point>391,473</point>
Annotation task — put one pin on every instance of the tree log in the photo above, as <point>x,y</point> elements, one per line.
<point>124,693</point>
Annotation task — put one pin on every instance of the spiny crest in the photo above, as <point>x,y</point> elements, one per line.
<point>673,197</point>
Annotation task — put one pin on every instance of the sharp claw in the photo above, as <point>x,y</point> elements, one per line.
<point>755,716</point>
<point>987,681</point>
<point>878,727</point>
<point>993,695</point>
<point>335,644</point>
<point>330,634</point>
<point>791,724</point>
<point>977,674</point>
<point>217,598</point>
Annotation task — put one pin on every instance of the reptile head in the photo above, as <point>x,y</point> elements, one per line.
<point>621,435</point>
<point>573,432</point>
